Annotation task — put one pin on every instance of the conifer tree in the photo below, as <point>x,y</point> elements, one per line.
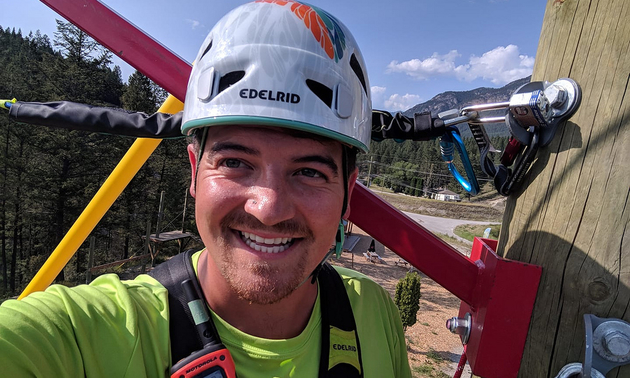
<point>407,298</point>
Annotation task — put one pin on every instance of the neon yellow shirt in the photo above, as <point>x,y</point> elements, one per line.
<point>114,328</point>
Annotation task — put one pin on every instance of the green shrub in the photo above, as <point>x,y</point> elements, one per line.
<point>407,298</point>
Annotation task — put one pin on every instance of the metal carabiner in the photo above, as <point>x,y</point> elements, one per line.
<point>450,141</point>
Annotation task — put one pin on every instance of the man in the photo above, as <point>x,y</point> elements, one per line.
<point>278,104</point>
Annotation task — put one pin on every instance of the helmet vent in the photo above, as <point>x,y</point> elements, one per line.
<point>229,79</point>
<point>323,92</point>
<point>206,50</point>
<point>356,67</point>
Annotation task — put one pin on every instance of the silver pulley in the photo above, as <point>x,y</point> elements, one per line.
<point>542,105</point>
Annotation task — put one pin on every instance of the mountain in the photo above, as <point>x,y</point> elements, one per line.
<point>457,100</point>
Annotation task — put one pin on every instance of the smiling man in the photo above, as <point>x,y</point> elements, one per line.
<point>280,203</point>
<point>277,107</point>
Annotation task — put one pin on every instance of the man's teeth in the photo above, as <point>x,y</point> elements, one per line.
<point>274,245</point>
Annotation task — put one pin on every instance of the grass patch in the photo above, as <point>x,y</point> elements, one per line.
<point>380,188</point>
<point>423,369</point>
<point>452,241</point>
<point>435,356</point>
<point>469,231</point>
<point>447,238</point>
<point>427,371</point>
<point>454,210</point>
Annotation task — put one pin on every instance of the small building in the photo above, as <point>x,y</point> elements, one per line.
<point>447,195</point>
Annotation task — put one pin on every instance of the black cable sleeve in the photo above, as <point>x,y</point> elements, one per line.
<point>75,116</point>
<point>422,127</point>
<point>426,127</point>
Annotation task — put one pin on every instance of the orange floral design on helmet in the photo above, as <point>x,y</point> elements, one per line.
<point>324,27</point>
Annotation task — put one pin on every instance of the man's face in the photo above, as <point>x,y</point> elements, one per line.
<point>268,206</point>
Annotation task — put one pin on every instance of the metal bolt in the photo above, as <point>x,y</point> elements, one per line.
<point>460,326</point>
<point>617,343</point>
<point>611,340</point>
<point>556,95</point>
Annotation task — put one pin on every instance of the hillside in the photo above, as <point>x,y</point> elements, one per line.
<point>457,100</point>
<point>490,210</point>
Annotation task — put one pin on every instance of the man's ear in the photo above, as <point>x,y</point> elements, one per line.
<point>192,157</point>
<point>352,180</point>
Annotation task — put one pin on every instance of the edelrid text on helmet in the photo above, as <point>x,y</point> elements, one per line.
<point>270,95</point>
<point>285,64</point>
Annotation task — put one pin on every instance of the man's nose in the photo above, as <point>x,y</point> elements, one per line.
<point>271,202</point>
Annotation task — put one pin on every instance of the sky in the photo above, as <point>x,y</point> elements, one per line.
<point>413,49</point>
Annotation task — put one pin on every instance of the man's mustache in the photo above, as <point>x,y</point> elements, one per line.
<point>240,220</point>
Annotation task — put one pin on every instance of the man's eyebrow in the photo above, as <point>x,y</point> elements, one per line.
<point>231,146</point>
<point>328,161</point>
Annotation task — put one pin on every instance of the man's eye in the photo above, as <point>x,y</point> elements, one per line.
<point>232,163</point>
<point>308,172</point>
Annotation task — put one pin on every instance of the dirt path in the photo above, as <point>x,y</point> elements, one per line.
<point>433,351</point>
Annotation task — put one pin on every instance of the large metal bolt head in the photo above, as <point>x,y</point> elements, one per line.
<point>460,326</point>
<point>556,95</point>
<point>611,340</point>
<point>617,343</point>
<point>456,325</point>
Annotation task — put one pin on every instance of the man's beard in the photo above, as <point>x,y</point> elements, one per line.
<point>263,284</point>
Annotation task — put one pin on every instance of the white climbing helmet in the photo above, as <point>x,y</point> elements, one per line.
<point>285,64</point>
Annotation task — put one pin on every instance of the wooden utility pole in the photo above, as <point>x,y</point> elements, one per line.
<point>572,214</point>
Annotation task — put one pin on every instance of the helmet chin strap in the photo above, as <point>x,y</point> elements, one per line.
<point>202,145</point>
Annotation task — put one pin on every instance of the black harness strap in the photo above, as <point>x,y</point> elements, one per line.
<point>333,297</point>
<point>184,337</point>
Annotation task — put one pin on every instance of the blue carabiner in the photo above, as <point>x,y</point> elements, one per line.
<point>450,141</point>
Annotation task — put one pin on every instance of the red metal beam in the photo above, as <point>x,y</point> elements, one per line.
<point>128,42</point>
<point>414,243</point>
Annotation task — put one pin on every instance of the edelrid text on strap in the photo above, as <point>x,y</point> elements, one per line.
<point>341,352</point>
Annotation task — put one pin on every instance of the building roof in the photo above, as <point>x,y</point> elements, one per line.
<point>448,193</point>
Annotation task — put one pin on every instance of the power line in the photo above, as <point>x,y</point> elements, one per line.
<point>443,168</point>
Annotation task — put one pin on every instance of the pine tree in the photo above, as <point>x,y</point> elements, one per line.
<point>407,298</point>
<point>139,94</point>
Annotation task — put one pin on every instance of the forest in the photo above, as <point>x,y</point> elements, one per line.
<point>48,176</point>
<point>417,168</point>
